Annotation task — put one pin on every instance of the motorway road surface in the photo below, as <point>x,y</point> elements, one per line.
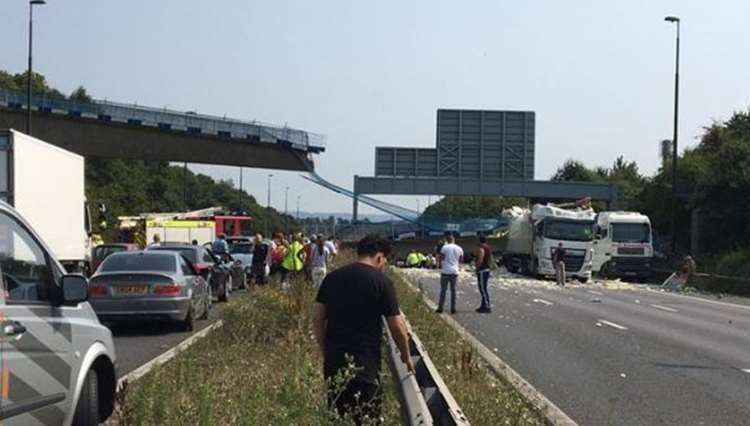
<point>137,343</point>
<point>613,353</point>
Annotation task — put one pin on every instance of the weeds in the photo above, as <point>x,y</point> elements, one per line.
<point>261,368</point>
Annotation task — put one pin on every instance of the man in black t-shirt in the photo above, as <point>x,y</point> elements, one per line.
<point>258,266</point>
<point>348,327</point>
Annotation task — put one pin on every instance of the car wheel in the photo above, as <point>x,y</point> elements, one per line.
<point>189,323</point>
<point>207,305</point>
<point>87,409</point>
<point>224,296</point>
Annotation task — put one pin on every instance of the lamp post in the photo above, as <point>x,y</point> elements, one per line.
<point>675,20</point>
<point>240,197</point>
<point>298,198</point>
<point>286,199</point>
<point>32,3</point>
<point>268,202</point>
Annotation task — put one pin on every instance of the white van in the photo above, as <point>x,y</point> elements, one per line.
<point>58,361</point>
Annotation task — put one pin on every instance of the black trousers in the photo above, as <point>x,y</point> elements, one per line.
<point>358,400</point>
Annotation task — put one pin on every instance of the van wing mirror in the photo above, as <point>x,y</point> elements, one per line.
<point>75,289</point>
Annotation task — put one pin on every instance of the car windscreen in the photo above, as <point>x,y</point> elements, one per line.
<point>631,232</point>
<point>568,230</point>
<point>241,249</point>
<point>190,253</point>
<point>101,252</point>
<point>139,262</point>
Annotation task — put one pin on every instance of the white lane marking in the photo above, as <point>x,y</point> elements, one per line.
<point>613,325</point>
<point>745,370</point>
<point>598,293</point>
<point>664,308</point>
<point>700,299</point>
<point>543,302</point>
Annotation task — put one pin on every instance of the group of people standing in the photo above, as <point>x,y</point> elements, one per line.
<point>450,255</point>
<point>294,255</point>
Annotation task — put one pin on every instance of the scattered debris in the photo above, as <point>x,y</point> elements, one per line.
<point>596,300</point>
<point>623,375</point>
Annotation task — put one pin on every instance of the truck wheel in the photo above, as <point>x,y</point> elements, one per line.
<point>583,280</point>
<point>87,409</point>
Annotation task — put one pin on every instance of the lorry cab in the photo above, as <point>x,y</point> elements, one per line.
<point>623,245</point>
<point>57,362</point>
<point>574,229</point>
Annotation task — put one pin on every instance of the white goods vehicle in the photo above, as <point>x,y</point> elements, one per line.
<point>623,245</point>
<point>534,235</point>
<point>45,183</point>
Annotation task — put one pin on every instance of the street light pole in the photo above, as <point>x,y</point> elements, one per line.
<point>286,199</point>
<point>268,202</point>
<point>298,198</point>
<point>676,20</point>
<point>32,3</point>
<point>239,206</point>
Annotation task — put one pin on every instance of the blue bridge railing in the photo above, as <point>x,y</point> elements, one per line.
<point>168,119</point>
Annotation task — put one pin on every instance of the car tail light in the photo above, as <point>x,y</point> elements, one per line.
<point>97,291</point>
<point>167,290</point>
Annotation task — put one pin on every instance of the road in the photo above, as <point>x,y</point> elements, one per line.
<point>616,354</point>
<point>139,342</point>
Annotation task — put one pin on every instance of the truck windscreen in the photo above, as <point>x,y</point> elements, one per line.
<point>569,230</point>
<point>631,232</point>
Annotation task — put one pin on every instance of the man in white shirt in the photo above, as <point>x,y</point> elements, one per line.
<point>451,255</point>
<point>319,257</point>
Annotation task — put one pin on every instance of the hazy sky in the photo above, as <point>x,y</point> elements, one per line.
<point>599,74</point>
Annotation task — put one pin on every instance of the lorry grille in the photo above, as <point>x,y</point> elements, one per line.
<point>632,251</point>
<point>573,263</point>
<point>627,263</point>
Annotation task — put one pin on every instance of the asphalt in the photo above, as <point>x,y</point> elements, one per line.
<point>616,354</point>
<point>136,343</point>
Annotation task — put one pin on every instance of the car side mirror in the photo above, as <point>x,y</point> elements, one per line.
<point>75,289</point>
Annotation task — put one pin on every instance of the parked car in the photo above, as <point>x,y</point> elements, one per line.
<point>235,269</point>
<point>239,240</point>
<point>60,358</point>
<point>243,253</point>
<point>149,284</point>
<point>100,252</point>
<point>217,272</point>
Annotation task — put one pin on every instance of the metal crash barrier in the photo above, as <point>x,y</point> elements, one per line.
<point>424,397</point>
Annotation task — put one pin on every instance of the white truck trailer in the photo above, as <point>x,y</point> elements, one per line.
<point>534,235</point>
<point>45,184</point>
<point>623,245</point>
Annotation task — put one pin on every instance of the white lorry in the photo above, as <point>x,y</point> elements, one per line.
<point>534,235</point>
<point>623,245</point>
<point>45,184</point>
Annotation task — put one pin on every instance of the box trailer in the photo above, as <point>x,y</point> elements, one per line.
<point>45,184</point>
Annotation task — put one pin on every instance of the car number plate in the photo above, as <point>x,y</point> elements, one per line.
<point>133,289</point>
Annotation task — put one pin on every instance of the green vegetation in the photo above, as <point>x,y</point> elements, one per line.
<point>484,398</point>
<point>131,187</point>
<point>261,368</point>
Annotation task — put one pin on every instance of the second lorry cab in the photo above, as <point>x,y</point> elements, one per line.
<point>623,245</point>
<point>534,235</point>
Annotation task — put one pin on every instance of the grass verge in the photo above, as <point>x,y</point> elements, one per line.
<point>261,368</point>
<point>483,397</point>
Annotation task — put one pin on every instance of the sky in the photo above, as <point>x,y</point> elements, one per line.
<point>599,75</point>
